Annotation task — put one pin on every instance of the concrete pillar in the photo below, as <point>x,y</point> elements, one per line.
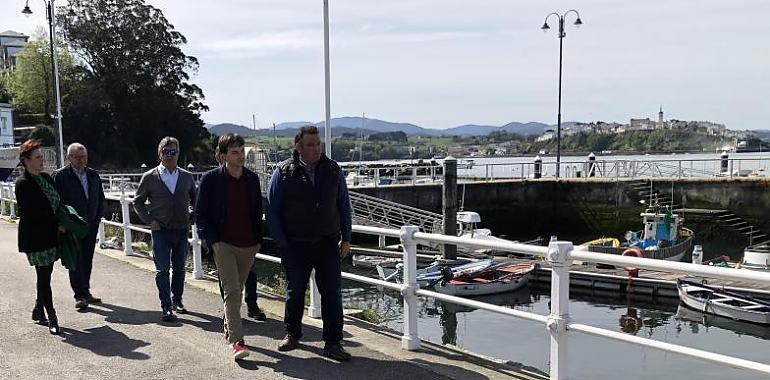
<point>538,166</point>
<point>591,165</point>
<point>449,204</point>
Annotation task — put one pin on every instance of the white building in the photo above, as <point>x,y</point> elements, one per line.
<point>11,44</point>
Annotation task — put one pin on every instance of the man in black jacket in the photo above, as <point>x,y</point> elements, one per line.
<point>81,187</point>
<point>309,217</point>
<point>229,220</point>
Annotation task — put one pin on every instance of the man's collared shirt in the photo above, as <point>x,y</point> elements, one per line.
<point>309,170</point>
<point>83,177</point>
<point>168,178</point>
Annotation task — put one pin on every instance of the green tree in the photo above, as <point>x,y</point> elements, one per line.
<point>45,134</point>
<point>136,89</point>
<point>30,84</point>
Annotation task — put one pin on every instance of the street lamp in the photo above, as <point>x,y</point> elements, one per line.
<point>561,36</point>
<point>327,80</point>
<point>51,15</point>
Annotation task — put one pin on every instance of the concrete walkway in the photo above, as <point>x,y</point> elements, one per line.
<point>123,338</point>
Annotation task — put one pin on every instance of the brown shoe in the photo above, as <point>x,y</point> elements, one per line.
<point>288,343</point>
<point>336,352</point>
<point>81,303</point>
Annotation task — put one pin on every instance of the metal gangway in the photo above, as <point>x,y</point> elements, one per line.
<point>378,212</point>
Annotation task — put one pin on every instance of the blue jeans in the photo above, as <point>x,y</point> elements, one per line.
<point>169,250</point>
<point>298,260</point>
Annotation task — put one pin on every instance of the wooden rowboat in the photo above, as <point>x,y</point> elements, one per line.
<point>497,279</point>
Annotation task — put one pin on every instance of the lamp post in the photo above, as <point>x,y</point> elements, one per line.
<point>55,70</point>
<point>561,36</point>
<point>328,129</point>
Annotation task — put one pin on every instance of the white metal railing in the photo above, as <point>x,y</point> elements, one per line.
<point>559,254</point>
<point>470,171</point>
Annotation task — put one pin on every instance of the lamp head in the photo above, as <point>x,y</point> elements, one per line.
<point>578,23</point>
<point>545,27</point>
<point>26,11</point>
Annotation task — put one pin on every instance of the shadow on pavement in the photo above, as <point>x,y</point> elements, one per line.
<point>105,341</point>
<point>357,368</point>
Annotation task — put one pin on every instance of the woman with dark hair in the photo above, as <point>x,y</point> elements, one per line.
<point>39,227</point>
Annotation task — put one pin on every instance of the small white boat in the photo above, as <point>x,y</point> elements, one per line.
<point>497,279</point>
<point>756,257</point>
<point>433,273</point>
<point>722,302</point>
<point>369,261</point>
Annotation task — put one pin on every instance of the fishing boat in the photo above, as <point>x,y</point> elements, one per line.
<point>724,303</point>
<point>433,273</point>
<point>663,237</point>
<point>496,279</point>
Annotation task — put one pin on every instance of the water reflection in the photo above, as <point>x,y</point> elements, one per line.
<point>447,312</point>
<point>696,319</point>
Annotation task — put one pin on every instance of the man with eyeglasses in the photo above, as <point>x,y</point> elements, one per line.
<point>163,201</point>
<point>81,187</point>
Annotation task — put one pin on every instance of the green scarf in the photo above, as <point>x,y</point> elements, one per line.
<point>77,228</point>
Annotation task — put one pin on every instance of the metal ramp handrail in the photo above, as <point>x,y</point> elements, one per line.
<point>373,211</point>
<point>378,212</point>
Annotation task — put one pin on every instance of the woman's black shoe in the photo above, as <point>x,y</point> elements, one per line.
<point>53,325</point>
<point>38,314</point>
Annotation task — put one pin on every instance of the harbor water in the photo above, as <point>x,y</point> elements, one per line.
<point>590,358</point>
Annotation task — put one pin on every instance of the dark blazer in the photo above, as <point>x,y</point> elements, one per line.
<point>71,192</point>
<point>210,209</point>
<point>38,226</point>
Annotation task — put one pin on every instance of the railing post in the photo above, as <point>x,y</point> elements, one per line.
<point>11,203</point>
<point>381,241</point>
<point>314,309</point>
<point>414,175</point>
<point>125,214</point>
<point>559,256</point>
<point>196,248</point>
<point>100,234</point>
<point>410,340</point>
<point>376,177</point>
<point>2,199</point>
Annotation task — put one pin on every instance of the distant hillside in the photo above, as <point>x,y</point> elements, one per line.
<point>342,125</point>
<point>221,129</point>
<point>527,129</point>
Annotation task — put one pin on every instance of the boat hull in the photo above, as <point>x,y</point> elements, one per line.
<point>499,279</point>
<point>713,301</point>
<point>673,253</point>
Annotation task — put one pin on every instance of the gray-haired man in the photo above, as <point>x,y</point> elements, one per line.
<point>163,201</point>
<point>81,187</point>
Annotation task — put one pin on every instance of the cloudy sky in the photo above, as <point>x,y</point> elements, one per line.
<point>443,63</point>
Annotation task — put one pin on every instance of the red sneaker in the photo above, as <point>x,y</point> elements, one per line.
<point>239,350</point>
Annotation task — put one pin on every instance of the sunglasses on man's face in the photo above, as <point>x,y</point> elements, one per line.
<point>169,152</point>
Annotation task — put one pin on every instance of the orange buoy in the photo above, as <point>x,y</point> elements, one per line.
<point>633,251</point>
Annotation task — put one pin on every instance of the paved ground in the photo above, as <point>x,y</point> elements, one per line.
<point>124,338</point>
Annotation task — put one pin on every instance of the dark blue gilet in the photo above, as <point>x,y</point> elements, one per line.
<point>310,212</point>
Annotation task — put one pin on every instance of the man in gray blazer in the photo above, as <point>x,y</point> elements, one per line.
<point>163,201</point>
<point>81,187</point>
